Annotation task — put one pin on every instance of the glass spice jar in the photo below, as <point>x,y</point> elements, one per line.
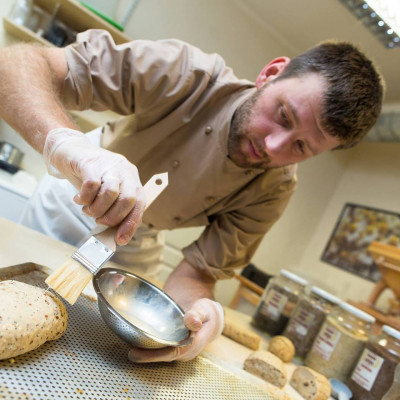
<point>374,374</point>
<point>340,342</point>
<point>278,301</point>
<point>308,317</point>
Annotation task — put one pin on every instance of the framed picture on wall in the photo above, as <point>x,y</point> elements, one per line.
<point>355,229</point>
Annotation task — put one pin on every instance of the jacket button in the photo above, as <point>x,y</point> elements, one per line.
<point>175,164</point>
<point>249,172</point>
<point>210,199</point>
<point>177,220</point>
<point>208,130</point>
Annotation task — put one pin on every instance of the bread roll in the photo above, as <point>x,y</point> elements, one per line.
<point>240,334</point>
<point>310,384</point>
<point>29,316</point>
<point>282,347</point>
<point>267,366</point>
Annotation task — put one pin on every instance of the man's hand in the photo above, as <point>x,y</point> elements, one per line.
<point>109,186</point>
<point>205,318</point>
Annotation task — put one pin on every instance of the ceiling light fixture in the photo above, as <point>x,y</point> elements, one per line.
<point>381,17</point>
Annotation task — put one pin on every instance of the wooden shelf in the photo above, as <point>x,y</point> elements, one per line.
<point>22,33</point>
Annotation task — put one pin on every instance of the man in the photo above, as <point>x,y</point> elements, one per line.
<point>230,148</point>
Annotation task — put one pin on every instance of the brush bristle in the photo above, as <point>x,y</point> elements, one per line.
<point>69,280</point>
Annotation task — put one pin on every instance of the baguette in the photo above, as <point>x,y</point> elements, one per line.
<point>240,334</point>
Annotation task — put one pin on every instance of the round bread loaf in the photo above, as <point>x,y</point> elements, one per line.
<point>282,347</point>
<point>310,384</point>
<point>29,316</point>
<point>267,366</point>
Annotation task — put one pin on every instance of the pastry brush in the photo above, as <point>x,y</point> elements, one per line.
<point>72,277</point>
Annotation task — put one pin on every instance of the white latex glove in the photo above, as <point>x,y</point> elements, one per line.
<point>205,318</point>
<point>109,185</point>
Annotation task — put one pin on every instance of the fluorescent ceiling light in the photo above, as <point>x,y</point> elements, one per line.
<point>389,11</point>
<point>382,18</point>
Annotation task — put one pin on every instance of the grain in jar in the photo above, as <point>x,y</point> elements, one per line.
<point>278,301</point>
<point>340,342</point>
<point>308,317</point>
<point>373,375</point>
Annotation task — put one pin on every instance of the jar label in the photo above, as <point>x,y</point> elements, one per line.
<point>302,321</point>
<point>274,304</point>
<point>367,369</point>
<point>326,341</point>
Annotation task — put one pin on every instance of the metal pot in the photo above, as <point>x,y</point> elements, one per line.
<point>10,157</point>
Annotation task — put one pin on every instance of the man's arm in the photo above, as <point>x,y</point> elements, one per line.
<point>184,276</point>
<point>193,291</point>
<point>109,187</point>
<point>30,87</point>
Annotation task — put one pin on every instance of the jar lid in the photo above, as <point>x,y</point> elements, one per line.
<point>391,331</point>
<point>357,312</point>
<point>293,277</point>
<point>325,295</point>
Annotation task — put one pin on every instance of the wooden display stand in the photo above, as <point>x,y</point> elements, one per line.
<point>387,259</point>
<point>247,290</point>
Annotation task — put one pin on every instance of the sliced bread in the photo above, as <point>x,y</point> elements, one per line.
<point>267,366</point>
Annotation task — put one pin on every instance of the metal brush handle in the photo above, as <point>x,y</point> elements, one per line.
<point>153,187</point>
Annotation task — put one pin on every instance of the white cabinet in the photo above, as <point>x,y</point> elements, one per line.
<point>12,203</point>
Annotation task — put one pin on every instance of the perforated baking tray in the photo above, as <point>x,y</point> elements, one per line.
<point>90,362</point>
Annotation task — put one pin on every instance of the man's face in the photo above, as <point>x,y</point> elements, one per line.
<point>279,124</point>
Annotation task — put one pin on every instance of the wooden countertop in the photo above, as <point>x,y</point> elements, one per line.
<point>19,245</point>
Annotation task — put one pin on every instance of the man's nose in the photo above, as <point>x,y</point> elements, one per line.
<point>277,142</point>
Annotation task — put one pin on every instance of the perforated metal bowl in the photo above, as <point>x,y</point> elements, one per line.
<point>138,312</point>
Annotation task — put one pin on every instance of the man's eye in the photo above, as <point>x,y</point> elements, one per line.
<point>284,116</point>
<point>300,145</point>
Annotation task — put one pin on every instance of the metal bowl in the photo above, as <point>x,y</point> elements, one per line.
<point>138,312</point>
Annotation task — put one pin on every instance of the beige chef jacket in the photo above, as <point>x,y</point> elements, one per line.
<point>179,102</point>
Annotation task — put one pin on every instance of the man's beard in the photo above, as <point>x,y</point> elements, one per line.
<point>239,134</point>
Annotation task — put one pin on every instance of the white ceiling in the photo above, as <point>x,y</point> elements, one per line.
<point>299,24</point>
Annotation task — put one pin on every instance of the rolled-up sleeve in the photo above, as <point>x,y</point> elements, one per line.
<point>232,238</point>
<point>137,77</point>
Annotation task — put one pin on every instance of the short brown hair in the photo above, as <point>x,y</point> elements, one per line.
<point>353,98</point>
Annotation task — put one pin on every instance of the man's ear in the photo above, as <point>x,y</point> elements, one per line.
<point>272,70</point>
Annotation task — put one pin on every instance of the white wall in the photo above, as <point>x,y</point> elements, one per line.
<point>370,179</point>
<point>221,26</point>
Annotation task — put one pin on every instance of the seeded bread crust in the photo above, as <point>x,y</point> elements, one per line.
<point>267,366</point>
<point>29,317</point>
<point>310,384</point>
